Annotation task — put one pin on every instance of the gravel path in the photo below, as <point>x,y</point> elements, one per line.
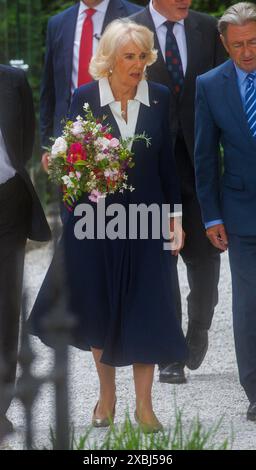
<point>212,391</point>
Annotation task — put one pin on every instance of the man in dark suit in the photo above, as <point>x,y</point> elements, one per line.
<point>64,57</point>
<point>226,113</point>
<point>188,45</point>
<point>21,216</point>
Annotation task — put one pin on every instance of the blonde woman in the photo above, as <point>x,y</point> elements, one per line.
<point>120,290</point>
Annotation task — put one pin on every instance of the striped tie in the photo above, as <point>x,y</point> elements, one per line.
<point>250,103</point>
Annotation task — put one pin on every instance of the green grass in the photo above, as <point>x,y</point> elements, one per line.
<point>130,437</point>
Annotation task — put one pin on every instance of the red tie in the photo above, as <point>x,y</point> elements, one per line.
<point>85,51</point>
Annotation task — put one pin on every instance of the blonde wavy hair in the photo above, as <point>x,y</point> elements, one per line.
<point>117,34</point>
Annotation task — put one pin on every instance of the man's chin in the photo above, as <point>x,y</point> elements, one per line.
<point>249,69</point>
<point>248,66</point>
<point>183,14</point>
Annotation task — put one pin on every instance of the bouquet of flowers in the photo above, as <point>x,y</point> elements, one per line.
<point>87,158</point>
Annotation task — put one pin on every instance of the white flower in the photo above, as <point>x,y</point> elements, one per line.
<point>67,181</point>
<point>77,128</point>
<point>102,142</point>
<point>86,106</point>
<point>100,156</point>
<point>59,146</point>
<point>78,175</point>
<point>112,174</point>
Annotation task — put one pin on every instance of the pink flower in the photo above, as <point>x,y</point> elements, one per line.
<point>114,142</point>
<point>111,174</point>
<point>95,195</point>
<point>88,138</point>
<point>76,152</point>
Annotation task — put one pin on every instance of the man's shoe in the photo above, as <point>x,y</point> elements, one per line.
<point>172,374</point>
<point>197,341</point>
<point>251,412</point>
<point>6,426</point>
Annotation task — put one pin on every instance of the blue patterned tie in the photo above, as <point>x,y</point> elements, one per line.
<point>172,58</point>
<point>250,102</point>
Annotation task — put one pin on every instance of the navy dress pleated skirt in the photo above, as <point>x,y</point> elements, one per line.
<point>119,291</point>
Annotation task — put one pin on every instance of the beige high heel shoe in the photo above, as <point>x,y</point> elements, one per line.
<point>148,428</point>
<point>103,422</point>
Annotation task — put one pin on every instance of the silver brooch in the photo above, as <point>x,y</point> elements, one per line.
<point>155,101</point>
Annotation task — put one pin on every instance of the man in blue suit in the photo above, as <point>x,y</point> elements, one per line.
<point>61,69</point>
<point>226,114</point>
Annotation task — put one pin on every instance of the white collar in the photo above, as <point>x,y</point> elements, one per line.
<point>106,95</point>
<point>159,19</point>
<point>102,7</point>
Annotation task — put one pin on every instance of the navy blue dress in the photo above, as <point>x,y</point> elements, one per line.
<point>120,291</point>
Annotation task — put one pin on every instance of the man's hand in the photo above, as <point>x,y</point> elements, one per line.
<point>217,236</point>
<point>177,235</point>
<point>45,161</point>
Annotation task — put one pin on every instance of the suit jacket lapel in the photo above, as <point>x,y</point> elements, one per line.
<point>115,10</point>
<point>111,121</point>
<point>160,64</point>
<point>69,28</point>
<point>162,72</point>
<point>142,118</point>
<point>140,125</point>
<point>194,43</point>
<point>234,99</point>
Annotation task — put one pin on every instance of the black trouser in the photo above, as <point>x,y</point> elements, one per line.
<point>201,258</point>
<point>14,216</point>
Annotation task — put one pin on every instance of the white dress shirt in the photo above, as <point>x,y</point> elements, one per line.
<point>6,169</point>
<point>127,129</point>
<point>178,31</point>
<point>97,20</point>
